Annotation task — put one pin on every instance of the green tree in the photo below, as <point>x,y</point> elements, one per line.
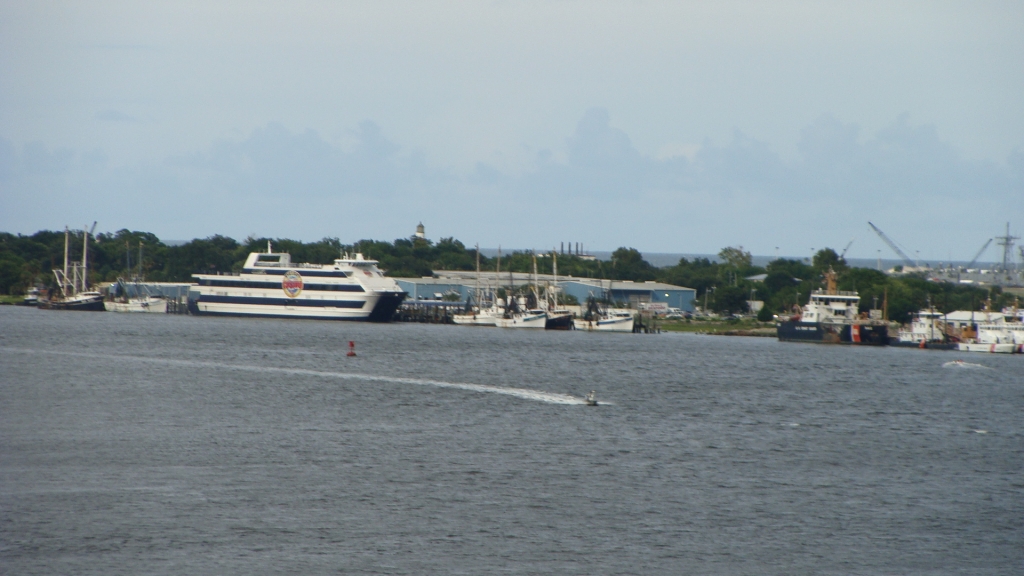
<point>629,264</point>
<point>736,257</point>
<point>827,258</point>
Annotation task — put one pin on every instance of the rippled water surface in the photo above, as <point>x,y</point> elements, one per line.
<point>137,444</point>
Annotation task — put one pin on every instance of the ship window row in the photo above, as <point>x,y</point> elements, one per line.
<point>282,271</point>
<point>277,285</point>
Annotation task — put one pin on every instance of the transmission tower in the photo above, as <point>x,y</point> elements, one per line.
<point>1007,243</point>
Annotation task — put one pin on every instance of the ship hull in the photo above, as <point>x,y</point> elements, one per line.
<point>833,333</point>
<point>83,305</point>
<point>989,348</point>
<point>381,310</point>
<point>478,319</point>
<point>522,321</point>
<point>924,345</point>
<point>558,322</point>
<point>150,305</point>
<point>608,324</point>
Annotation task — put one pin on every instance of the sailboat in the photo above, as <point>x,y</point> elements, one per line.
<point>73,281</point>
<point>557,319</point>
<point>476,314</point>
<point>142,301</point>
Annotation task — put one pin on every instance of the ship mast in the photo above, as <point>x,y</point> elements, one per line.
<point>85,259</point>
<point>64,280</point>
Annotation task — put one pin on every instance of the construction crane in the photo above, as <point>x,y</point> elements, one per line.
<point>906,259</point>
<point>841,256</point>
<point>978,255</point>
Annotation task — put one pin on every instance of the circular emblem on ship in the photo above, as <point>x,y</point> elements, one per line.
<point>291,283</point>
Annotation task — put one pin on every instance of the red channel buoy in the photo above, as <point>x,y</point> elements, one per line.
<point>351,348</point>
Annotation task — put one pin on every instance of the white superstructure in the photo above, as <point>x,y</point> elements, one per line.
<point>352,288</point>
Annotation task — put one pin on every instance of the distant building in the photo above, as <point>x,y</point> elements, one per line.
<point>420,231</point>
<point>631,294</point>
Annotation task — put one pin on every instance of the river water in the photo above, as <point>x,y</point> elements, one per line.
<point>134,444</point>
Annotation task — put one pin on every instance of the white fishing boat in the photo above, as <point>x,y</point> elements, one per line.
<point>522,318</point>
<point>477,314</point>
<point>146,303</point>
<point>477,317</point>
<point>600,317</point>
<point>522,312</point>
<point>611,320</point>
<point>351,288</point>
<point>558,318</point>
<point>141,300</point>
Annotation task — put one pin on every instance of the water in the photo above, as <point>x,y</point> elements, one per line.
<point>163,444</point>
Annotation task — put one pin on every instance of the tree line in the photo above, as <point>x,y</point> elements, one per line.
<point>724,286</point>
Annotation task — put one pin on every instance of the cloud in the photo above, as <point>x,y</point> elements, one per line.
<point>115,116</point>
<point>599,189</point>
<point>37,159</point>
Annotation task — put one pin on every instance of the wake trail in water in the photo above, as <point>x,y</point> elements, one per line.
<point>962,364</point>
<point>524,393</point>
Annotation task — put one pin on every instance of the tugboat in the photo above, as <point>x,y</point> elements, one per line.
<point>831,317</point>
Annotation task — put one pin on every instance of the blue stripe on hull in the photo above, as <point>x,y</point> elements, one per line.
<point>281,302</point>
<point>281,316</point>
<point>383,311</point>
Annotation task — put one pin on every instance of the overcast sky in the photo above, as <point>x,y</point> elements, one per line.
<point>665,126</point>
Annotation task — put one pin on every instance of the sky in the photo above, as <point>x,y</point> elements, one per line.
<point>782,127</point>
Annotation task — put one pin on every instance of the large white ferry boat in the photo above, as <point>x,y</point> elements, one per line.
<point>352,288</point>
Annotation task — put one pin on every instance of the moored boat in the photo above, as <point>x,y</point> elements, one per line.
<point>146,303</point>
<point>927,330</point>
<point>31,297</point>
<point>476,314</point>
<point>141,300</point>
<point>831,317</point>
<point>991,334</point>
<point>602,319</point>
<point>73,282</point>
<point>270,285</point>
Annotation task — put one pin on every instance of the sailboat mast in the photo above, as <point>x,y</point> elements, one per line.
<point>536,289</point>
<point>554,272</point>
<point>477,295</point>
<point>64,280</point>
<point>85,258</point>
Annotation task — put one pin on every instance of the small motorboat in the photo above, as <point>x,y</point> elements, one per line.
<point>591,399</point>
